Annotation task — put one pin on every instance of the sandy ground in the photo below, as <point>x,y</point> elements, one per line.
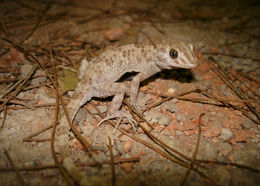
<point>217,102</point>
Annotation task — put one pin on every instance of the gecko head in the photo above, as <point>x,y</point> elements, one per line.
<point>175,55</point>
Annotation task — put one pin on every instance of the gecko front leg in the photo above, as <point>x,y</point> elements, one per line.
<point>135,87</point>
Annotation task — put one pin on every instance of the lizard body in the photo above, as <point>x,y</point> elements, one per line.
<point>99,77</point>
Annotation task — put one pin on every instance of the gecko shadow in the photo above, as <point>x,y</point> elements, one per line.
<point>181,75</point>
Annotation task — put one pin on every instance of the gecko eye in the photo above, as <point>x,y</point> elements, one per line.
<point>173,54</point>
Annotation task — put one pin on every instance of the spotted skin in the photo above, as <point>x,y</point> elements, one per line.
<point>99,76</point>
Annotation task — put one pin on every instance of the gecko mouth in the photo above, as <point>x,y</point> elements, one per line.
<point>188,66</point>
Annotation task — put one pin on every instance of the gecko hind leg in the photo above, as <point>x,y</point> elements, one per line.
<point>114,111</point>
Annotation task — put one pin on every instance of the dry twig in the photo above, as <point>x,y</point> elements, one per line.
<point>257,170</point>
<point>231,55</point>
<point>224,76</point>
<point>162,153</point>
<point>14,168</point>
<point>37,24</point>
<point>158,141</point>
<point>171,97</point>
<point>19,88</point>
<point>79,164</point>
<point>83,141</point>
<point>195,152</point>
<point>61,169</point>
<point>28,138</point>
<point>112,164</point>
<point>4,116</point>
<point>18,102</point>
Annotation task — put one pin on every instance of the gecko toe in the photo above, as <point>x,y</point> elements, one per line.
<point>120,115</point>
<point>137,107</point>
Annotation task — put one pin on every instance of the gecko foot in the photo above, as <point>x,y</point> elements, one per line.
<point>120,115</point>
<point>137,107</point>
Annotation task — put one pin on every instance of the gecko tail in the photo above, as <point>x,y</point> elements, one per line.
<point>75,104</point>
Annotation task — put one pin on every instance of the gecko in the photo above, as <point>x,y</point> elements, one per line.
<point>99,77</point>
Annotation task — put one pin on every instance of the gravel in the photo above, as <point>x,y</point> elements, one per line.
<point>226,134</point>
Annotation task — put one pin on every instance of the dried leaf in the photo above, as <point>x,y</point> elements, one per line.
<point>68,80</point>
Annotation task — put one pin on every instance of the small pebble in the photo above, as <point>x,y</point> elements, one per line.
<point>170,107</point>
<point>142,99</point>
<point>166,132</point>
<point>226,134</point>
<point>159,117</point>
<point>163,120</point>
<point>102,108</point>
<point>81,115</point>
<point>114,34</point>
<point>178,133</point>
<point>88,130</point>
<point>99,157</point>
<point>240,136</point>
<point>25,70</point>
<point>180,117</point>
<point>69,165</point>
<point>39,80</point>
<point>128,146</point>
<point>247,123</point>
<point>210,151</point>
<point>42,97</point>
<point>171,90</point>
